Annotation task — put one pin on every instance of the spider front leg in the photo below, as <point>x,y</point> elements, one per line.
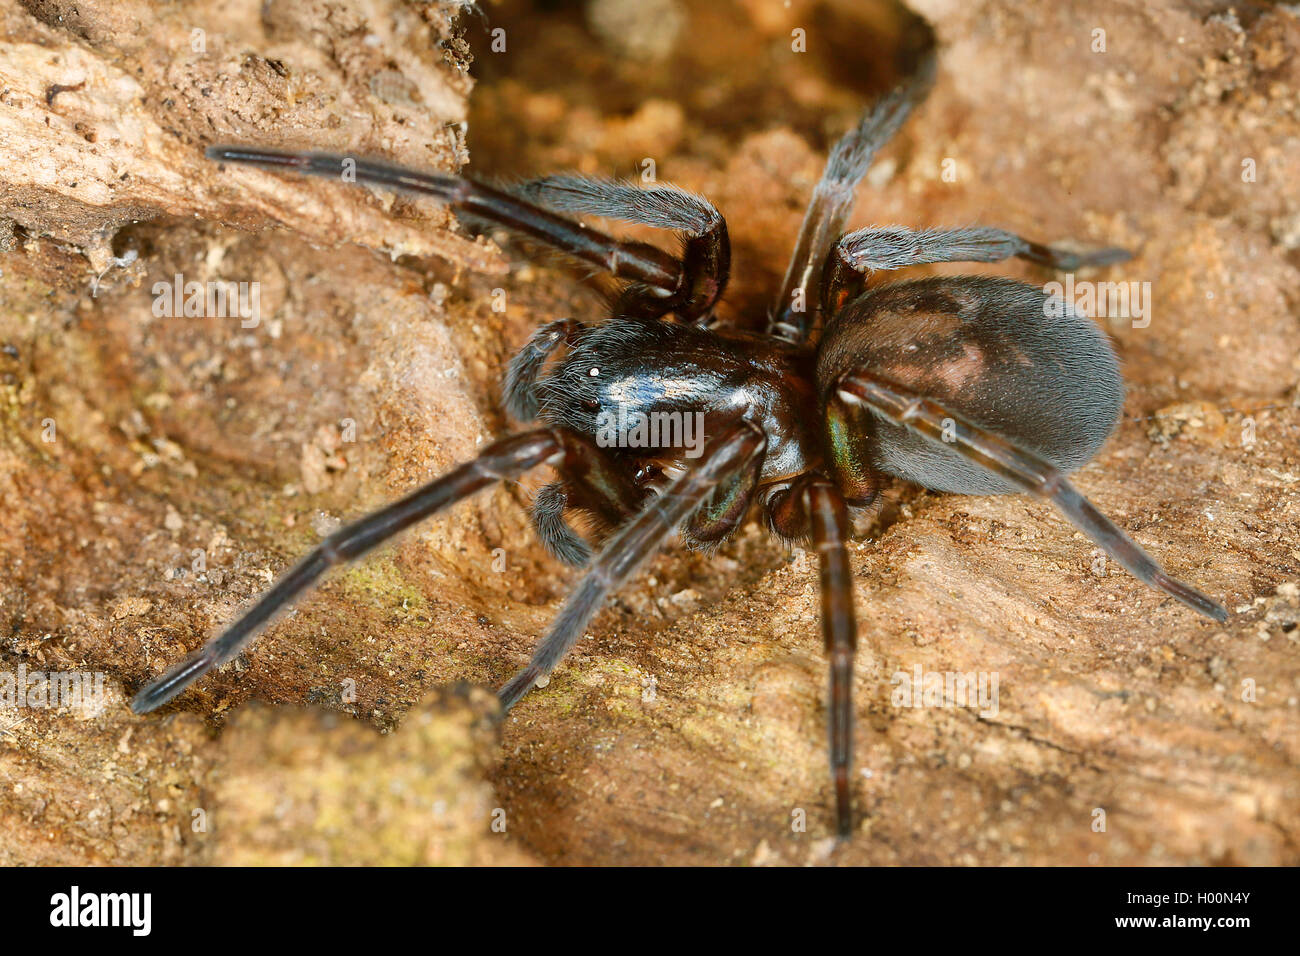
<point>858,255</point>
<point>660,283</point>
<point>504,459</point>
<point>901,405</point>
<point>602,490</point>
<point>727,455</point>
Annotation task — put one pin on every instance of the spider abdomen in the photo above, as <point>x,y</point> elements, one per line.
<point>997,352</point>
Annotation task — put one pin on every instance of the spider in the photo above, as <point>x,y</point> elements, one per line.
<point>963,384</point>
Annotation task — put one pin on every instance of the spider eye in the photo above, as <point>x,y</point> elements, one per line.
<point>590,404</point>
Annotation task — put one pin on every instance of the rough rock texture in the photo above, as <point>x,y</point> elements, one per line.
<point>193,458</point>
<point>283,786</point>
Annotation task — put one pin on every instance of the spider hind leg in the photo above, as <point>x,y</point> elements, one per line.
<point>897,403</point>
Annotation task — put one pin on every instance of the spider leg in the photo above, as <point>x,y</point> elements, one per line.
<point>503,459</point>
<point>832,200</point>
<point>830,523</point>
<point>900,404</point>
<point>726,455</point>
<point>592,483</point>
<point>520,391</point>
<point>706,249</point>
<point>637,261</point>
<point>813,506</point>
<point>726,508</point>
<point>553,531</point>
<point>860,254</point>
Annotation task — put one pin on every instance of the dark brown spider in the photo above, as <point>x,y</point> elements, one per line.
<point>963,384</point>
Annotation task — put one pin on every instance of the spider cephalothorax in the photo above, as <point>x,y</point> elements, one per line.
<point>654,420</point>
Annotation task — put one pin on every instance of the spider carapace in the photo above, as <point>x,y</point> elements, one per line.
<point>974,385</point>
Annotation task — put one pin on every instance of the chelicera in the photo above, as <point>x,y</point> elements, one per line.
<point>962,384</point>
